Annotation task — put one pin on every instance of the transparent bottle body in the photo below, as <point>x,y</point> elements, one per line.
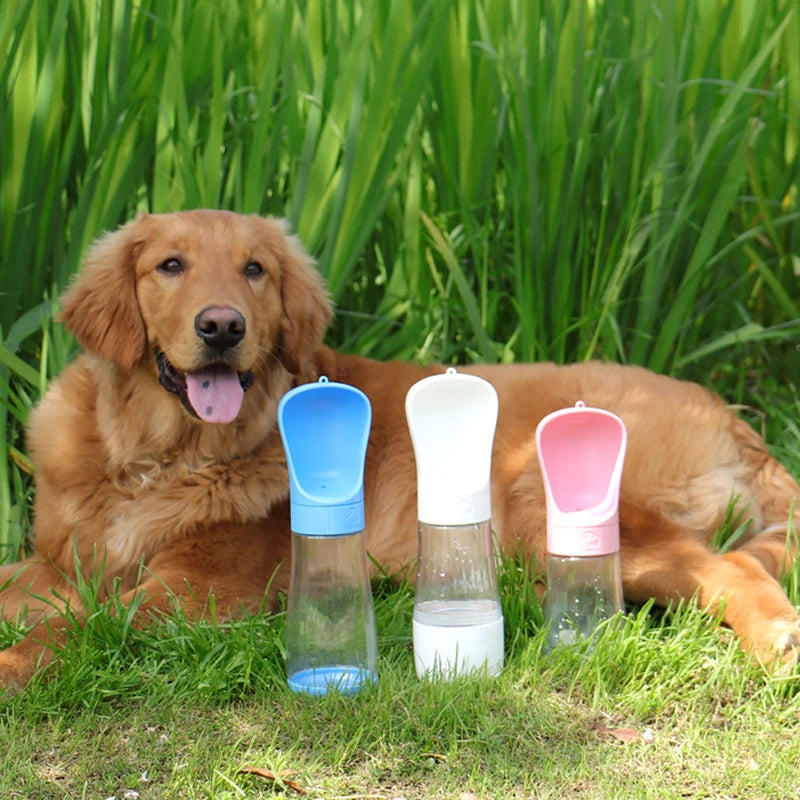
<point>458,620</point>
<point>331,642</point>
<point>582,592</point>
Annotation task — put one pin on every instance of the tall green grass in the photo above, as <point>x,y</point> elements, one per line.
<point>498,181</point>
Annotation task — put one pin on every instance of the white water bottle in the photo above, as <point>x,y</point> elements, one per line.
<point>331,642</point>
<point>458,620</point>
<point>581,453</point>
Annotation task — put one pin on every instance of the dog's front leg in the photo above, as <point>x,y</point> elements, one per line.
<point>242,566</point>
<point>31,590</point>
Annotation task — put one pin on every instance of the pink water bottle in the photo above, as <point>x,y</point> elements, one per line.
<point>581,453</point>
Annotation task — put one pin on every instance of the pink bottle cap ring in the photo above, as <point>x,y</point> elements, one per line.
<point>581,453</point>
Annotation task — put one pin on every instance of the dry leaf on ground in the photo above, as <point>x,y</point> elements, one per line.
<point>282,778</point>
<point>625,734</point>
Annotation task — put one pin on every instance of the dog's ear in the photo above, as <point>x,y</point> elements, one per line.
<point>306,308</point>
<point>100,306</point>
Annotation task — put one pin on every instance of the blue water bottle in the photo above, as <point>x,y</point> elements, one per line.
<point>331,643</point>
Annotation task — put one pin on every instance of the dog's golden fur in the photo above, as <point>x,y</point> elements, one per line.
<point>128,474</point>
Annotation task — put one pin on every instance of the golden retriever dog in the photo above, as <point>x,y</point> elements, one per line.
<point>159,461</point>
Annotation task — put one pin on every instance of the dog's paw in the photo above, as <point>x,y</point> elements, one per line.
<point>788,644</point>
<point>14,676</point>
<point>20,662</point>
<point>789,641</point>
<point>781,653</point>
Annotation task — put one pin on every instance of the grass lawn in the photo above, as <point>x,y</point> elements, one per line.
<point>664,705</point>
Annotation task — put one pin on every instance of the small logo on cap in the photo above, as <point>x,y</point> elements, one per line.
<point>465,508</point>
<point>590,540</point>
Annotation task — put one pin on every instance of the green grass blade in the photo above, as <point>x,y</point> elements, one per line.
<point>445,250</point>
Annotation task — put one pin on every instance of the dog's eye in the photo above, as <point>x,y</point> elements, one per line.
<point>253,269</point>
<point>171,266</point>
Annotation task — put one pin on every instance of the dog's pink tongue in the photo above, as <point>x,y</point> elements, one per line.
<point>215,394</point>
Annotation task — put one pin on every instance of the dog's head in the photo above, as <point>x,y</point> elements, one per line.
<point>213,298</point>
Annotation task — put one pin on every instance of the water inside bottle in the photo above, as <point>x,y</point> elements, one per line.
<point>457,613</point>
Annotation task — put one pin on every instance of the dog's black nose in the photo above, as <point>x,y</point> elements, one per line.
<point>220,327</point>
